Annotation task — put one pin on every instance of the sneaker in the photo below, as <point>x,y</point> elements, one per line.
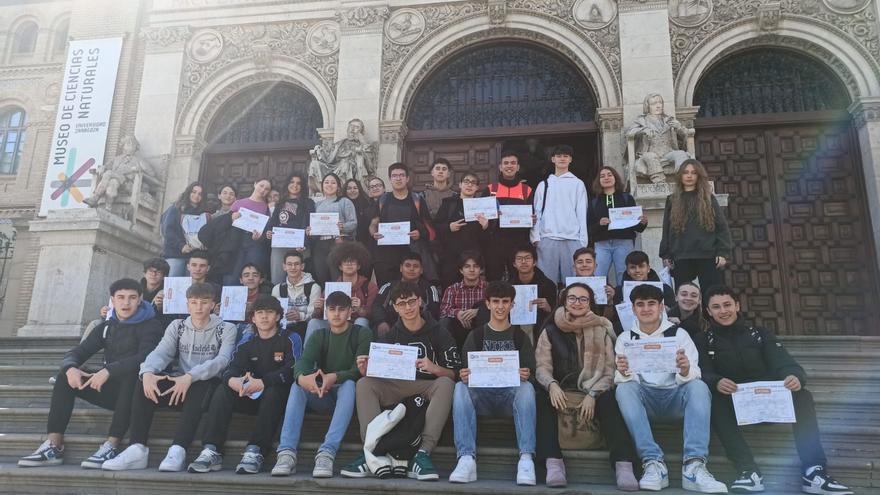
<point>748,481</point>
<point>555,473</point>
<point>285,464</point>
<point>174,461</point>
<point>47,454</point>
<point>357,469</point>
<point>251,462</point>
<point>465,471</point>
<point>655,476</point>
<point>525,471</point>
<point>207,461</point>
<point>323,465</point>
<point>421,468</point>
<point>696,478</point>
<point>134,457</point>
<point>624,477</point>
<point>821,483</point>
<point>104,453</point>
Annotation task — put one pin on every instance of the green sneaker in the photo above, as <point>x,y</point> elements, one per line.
<point>421,468</point>
<point>357,469</point>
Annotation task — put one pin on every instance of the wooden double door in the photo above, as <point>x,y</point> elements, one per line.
<point>243,168</point>
<point>804,258</point>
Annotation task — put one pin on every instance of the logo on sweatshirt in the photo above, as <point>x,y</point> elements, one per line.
<point>279,357</point>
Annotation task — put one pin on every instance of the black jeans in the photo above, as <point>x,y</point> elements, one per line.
<point>142,410</point>
<point>386,263</point>
<point>806,431</point>
<point>268,407</point>
<point>115,395</point>
<point>617,438</point>
<point>702,269</point>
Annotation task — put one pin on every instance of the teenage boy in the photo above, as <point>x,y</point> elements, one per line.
<point>561,208</point>
<point>384,315</point>
<point>126,337</point>
<point>198,267</point>
<point>519,402</point>
<point>325,380</point>
<point>437,367</point>
<point>638,268</point>
<point>732,352</point>
<point>461,300</point>
<point>455,235</point>
<point>585,266</point>
<point>196,350</point>
<point>155,271</point>
<point>664,396</point>
<point>256,382</point>
<point>441,187</point>
<point>301,291</point>
<point>400,205</point>
<point>526,272</point>
<point>252,277</point>
<point>500,243</point>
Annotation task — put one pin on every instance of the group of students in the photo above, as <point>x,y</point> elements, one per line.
<point>572,357</point>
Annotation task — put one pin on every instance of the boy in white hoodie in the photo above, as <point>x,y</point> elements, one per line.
<point>649,396</point>
<point>560,203</point>
<point>179,373</point>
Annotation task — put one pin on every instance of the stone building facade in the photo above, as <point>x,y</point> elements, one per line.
<point>784,96</point>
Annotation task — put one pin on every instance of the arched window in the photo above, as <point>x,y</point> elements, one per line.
<point>24,40</point>
<point>768,81</point>
<point>509,85</point>
<point>59,38</point>
<point>12,131</point>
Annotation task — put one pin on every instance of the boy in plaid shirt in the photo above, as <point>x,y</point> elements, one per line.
<point>458,309</point>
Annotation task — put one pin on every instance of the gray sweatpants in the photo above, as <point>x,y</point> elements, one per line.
<point>554,258</point>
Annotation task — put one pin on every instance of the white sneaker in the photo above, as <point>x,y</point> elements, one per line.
<point>466,470</point>
<point>655,476</point>
<point>174,461</point>
<point>134,457</point>
<point>696,478</point>
<point>525,471</point>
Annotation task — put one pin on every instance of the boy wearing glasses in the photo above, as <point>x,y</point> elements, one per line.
<point>455,234</point>
<point>437,366</point>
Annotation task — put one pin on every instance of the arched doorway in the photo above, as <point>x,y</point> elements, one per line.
<point>774,133</point>
<point>498,96</point>
<point>266,130</point>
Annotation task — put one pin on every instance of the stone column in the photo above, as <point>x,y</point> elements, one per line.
<point>391,137</point>
<point>610,121</point>
<point>81,253</point>
<point>866,119</point>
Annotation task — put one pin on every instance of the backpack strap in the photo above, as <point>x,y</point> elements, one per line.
<point>546,190</point>
<point>307,289</point>
<point>282,289</point>
<point>478,337</point>
<point>671,331</point>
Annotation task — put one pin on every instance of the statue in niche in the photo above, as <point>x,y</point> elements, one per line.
<point>120,174</point>
<point>656,143</point>
<point>349,158</point>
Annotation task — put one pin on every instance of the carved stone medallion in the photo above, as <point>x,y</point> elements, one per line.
<point>594,14</point>
<point>689,13</point>
<point>323,38</point>
<point>846,6</point>
<point>205,46</point>
<point>405,26</point>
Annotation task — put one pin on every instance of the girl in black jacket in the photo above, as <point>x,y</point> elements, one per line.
<point>291,212</point>
<point>612,246</point>
<point>175,246</point>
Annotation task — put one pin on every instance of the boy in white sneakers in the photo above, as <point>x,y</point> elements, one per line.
<point>664,396</point>
<point>179,373</point>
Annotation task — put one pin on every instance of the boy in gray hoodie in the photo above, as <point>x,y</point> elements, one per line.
<point>180,373</point>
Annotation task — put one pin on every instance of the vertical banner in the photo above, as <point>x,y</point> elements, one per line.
<point>80,133</point>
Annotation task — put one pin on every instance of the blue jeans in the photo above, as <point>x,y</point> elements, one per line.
<point>316,324</point>
<point>613,252</point>
<point>640,403</point>
<point>340,400</point>
<point>177,267</point>
<point>468,402</point>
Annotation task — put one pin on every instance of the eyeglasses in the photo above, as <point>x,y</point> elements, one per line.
<point>576,299</point>
<point>398,176</point>
<point>376,186</point>
<point>470,182</point>
<point>522,258</point>
<point>409,303</point>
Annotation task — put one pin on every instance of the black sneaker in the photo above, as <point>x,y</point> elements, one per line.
<point>46,455</point>
<point>104,453</point>
<point>748,482</point>
<point>422,468</point>
<point>819,482</point>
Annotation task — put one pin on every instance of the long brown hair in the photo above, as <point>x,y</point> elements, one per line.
<point>680,211</point>
<point>619,186</point>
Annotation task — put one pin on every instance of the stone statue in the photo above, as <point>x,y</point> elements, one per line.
<point>350,158</point>
<point>659,142</point>
<point>119,173</point>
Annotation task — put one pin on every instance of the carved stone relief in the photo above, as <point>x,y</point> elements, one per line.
<point>205,46</point>
<point>323,38</point>
<point>594,14</point>
<point>689,13</point>
<point>362,17</point>
<point>405,26</point>
<point>846,6</point>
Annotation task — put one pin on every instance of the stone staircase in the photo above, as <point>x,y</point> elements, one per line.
<point>841,370</point>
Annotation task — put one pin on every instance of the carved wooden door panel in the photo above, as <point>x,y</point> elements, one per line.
<point>243,168</point>
<point>480,156</point>
<point>803,252</point>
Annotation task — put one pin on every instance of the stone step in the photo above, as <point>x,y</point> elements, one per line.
<point>781,472</point>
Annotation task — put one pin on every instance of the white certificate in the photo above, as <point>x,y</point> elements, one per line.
<point>110,312</point>
<point>763,402</point>
<point>324,223</point>
<point>331,287</point>
<point>233,303</point>
<point>652,355</point>
<point>493,369</point>
<point>629,285</point>
<point>487,206</point>
<point>288,238</point>
<point>284,302</point>
<point>625,315</point>
<point>515,216</point>
<point>624,218</point>
<point>595,283</point>
<point>394,234</point>
<point>174,295</point>
<point>251,221</point>
<point>522,312</point>
<point>392,361</point>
